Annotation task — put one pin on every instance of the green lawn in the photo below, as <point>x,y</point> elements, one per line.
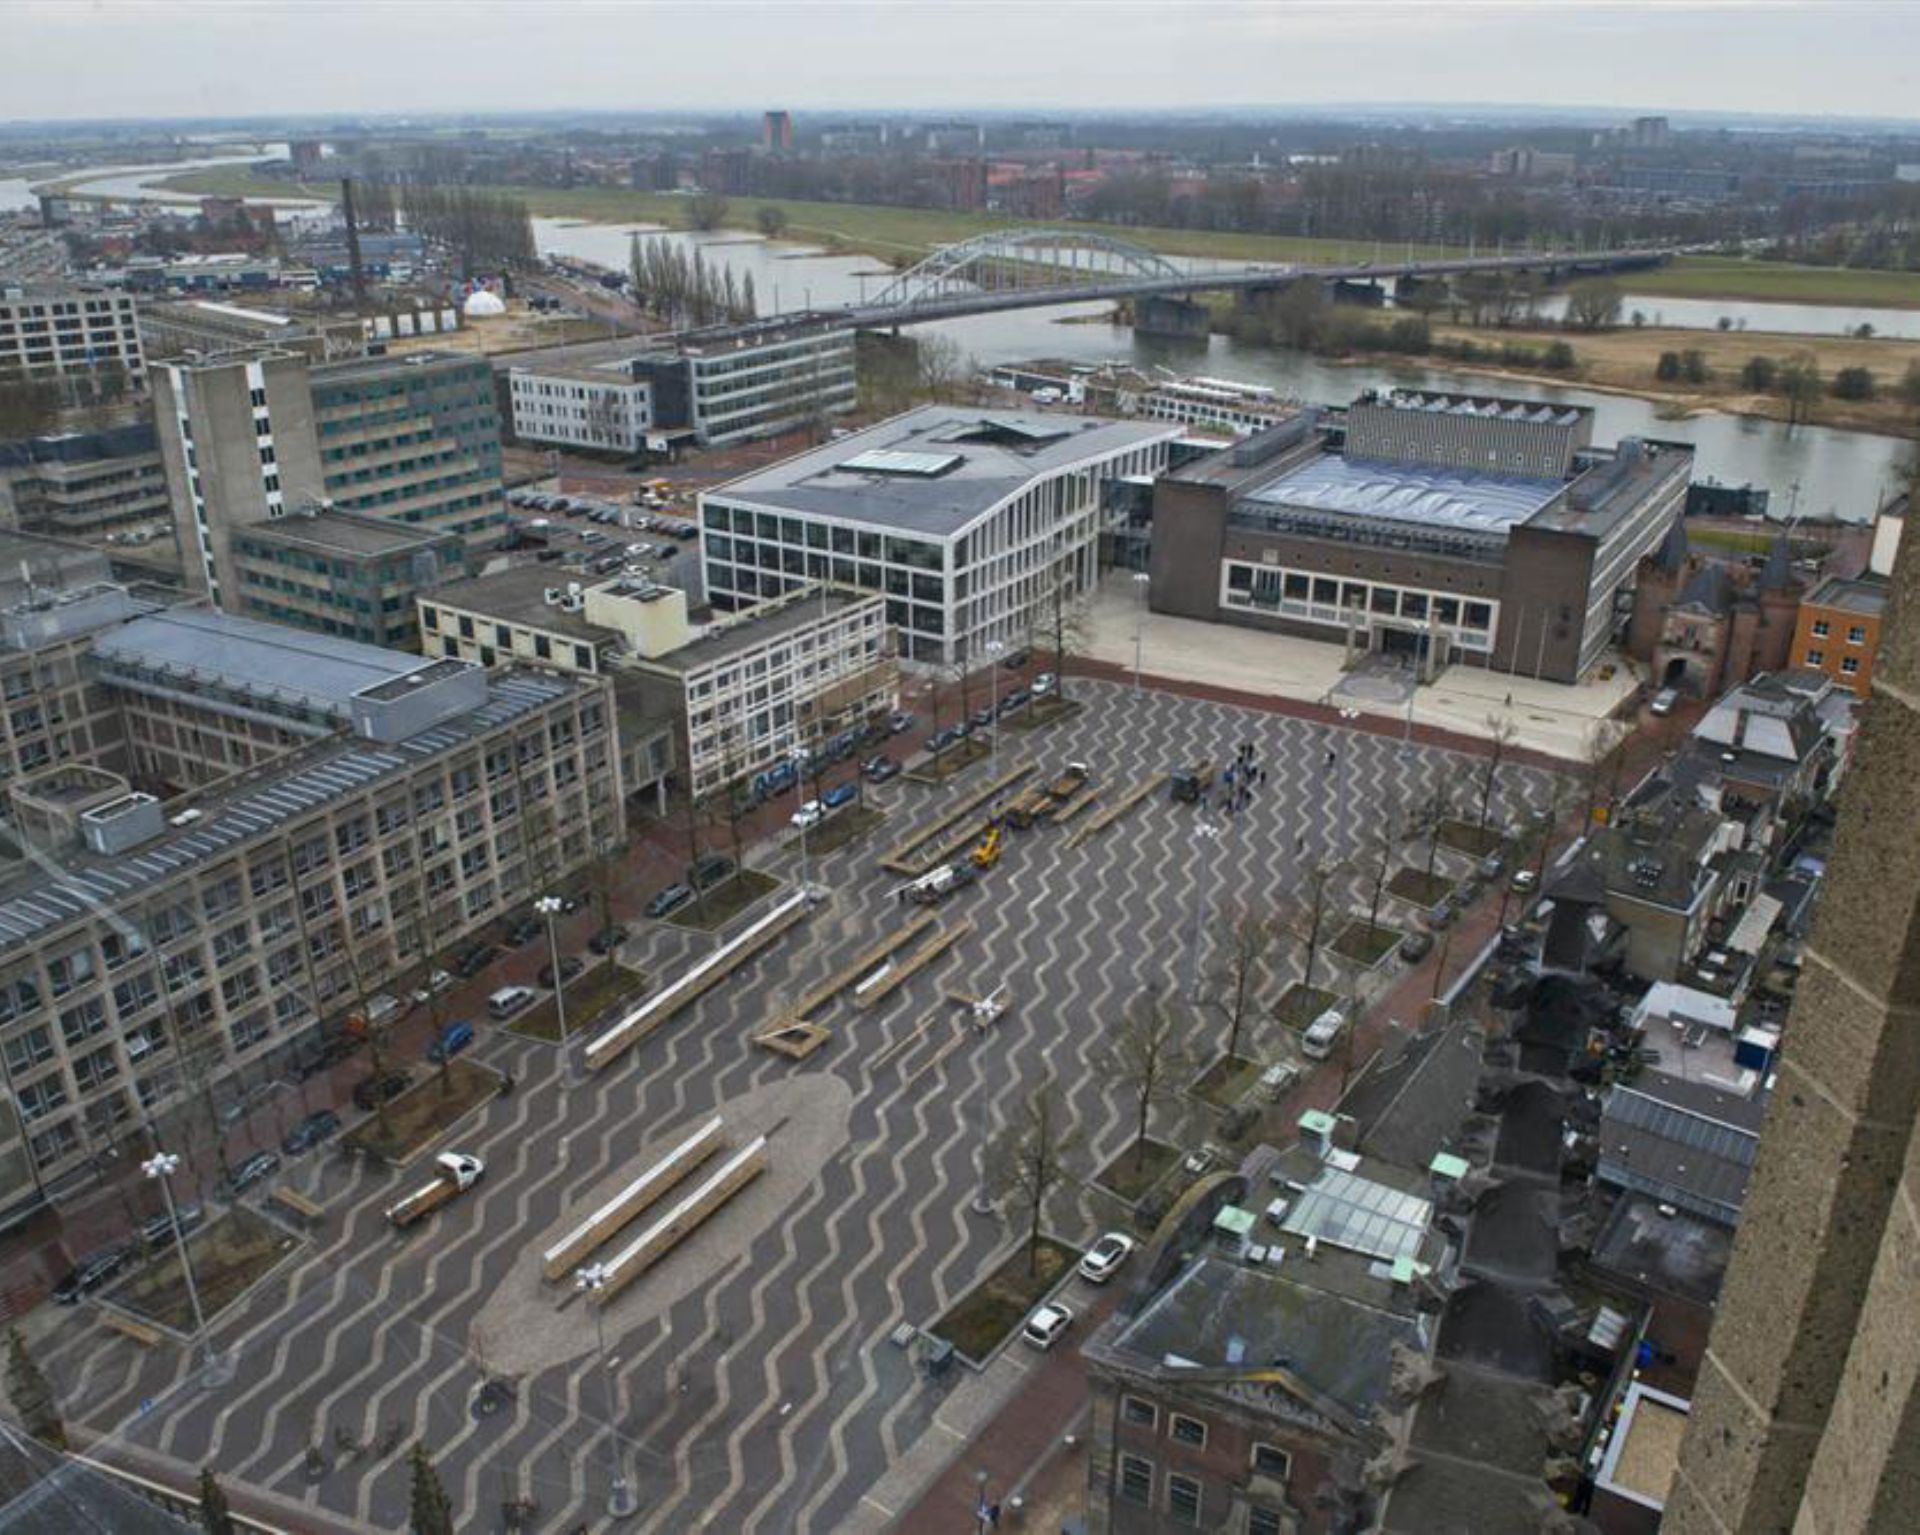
<point>1731,277</point>
<point>989,1313</point>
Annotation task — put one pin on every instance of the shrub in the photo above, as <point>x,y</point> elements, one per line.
<point>1759,374</point>
<point>1852,384</point>
<point>1667,369</point>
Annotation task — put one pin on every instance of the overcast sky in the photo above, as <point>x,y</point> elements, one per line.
<point>164,58</point>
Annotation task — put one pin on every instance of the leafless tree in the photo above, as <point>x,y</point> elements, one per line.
<point>1383,844</point>
<point>1305,917</point>
<point>1237,978</point>
<point>1146,1055</point>
<point>1501,732</point>
<point>1029,1160</point>
<point>707,211</point>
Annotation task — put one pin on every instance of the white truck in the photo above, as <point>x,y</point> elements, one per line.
<point>457,1172</point>
<point>932,888</point>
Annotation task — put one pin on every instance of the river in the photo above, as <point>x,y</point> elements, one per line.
<point>1817,471</point>
<point>1837,473</point>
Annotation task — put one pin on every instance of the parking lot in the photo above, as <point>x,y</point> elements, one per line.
<point>759,1388</point>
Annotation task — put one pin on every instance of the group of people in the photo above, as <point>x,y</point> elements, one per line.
<point>1238,782</point>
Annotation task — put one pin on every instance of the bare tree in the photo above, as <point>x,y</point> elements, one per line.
<point>1029,1160</point>
<point>1241,969</point>
<point>1502,732</point>
<point>1306,916</point>
<point>1602,764</point>
<point>1383,843</point>
<point>707,211</point>
<point>1146,1055</point>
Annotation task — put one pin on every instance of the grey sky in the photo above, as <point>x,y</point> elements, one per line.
<point>127,58</point>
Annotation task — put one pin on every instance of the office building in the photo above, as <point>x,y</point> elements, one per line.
<point>748,693</point>
<point>969,523</point>
<point>594,408</point>
<point>735,383</point>
<point>49,331</point>
<point>1447,528</point>
<point>776,130</point>
<point>412,439</point>
<point>82,484</point>
<point>166,950</point>
<point>341,573</point>
<point>183,327</point>
<point>1837,630</point>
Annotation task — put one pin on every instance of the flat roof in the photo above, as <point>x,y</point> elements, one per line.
<point>294,666</point>
<point>347,533</point>
<point>518,595</point>
<point>60,889</point>
<point>997,451</point>
<point>1489,407</point>
<point>757,626</point>
<point>1862,595</point>
<point>1421,494</point>
<point>349,369</point>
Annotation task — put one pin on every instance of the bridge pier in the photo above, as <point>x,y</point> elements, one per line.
<point>1368,295</point>
<point>1156,314</point>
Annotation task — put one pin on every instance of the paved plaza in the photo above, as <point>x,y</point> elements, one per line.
<point>757,1388</point>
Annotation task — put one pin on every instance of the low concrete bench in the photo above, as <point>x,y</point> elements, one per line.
<point>145,1336</point>
<point>296,1204</point>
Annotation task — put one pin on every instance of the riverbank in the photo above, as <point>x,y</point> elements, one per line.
<point>1625,361</point>
<point>904,234</point>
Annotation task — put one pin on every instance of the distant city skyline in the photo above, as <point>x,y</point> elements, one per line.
<point>203,59</point>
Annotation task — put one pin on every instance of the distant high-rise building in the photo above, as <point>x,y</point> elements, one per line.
<point>776,130</point>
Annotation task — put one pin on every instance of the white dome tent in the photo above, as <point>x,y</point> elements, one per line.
<point>482,305</point>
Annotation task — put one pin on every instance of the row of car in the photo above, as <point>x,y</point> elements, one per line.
<point>986,714</point>
<point>1050,1320</point>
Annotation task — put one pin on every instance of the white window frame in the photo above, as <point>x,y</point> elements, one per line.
<point>1175,1422</point>
<point>1120,1479</point>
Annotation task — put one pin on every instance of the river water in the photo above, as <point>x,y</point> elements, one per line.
<point>1817,471</point>
<point>1838,473</point>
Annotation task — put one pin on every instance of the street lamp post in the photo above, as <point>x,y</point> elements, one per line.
<point>160,1167</point>
<point>993,649</point>
<point>1205,834</point>
<point>549,907</point>
<point>799,777</point>
<point>982,1515</point>
<point>1140,582</point>
<point>621,1502</point>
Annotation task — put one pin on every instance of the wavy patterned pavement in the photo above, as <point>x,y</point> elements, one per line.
<point>769,1398</point>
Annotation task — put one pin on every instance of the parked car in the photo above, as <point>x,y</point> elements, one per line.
<point>1013,660</point>
<point>1524,880</point>
<point>1017,699</point>
<point>982,717</point>
<point>1415,947</point>
<point>310,1132</point>
<point>607,939</point>
<point>570,966</point>
<point>1323,1034</point>
<point>156,1229</point>
<point>474,960</point>
<point>840,794</point>
<point>454,1038</point>
<point>437,982</point>
<point>808,814</point>
<point>669,900</point>
<point>256,1169</point>
<point>1664,702</point>
<point>507,1001</point>
<point>899,722</point>
<point>1047,1325</point>
<point>524,930</point>
<point>370,1093</point>
<point>1043,684</point>
<point>321,1054</point>
<point>708,870</point>
<point>1492,866</point>
<point>91,1272</point>
<point>1438,915</point>
<point>1104,1258</point>
<point>879,769</point>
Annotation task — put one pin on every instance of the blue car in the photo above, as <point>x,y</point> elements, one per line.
<point>453,1039</point>
<point>843,794</point>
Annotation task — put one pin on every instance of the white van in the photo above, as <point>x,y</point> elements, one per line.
<point>509,1000</point>
<point>1277,1081</point>
<point>1323,1034</point>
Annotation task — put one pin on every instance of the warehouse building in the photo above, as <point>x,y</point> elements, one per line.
<point>967,522</point>
<point>1443,527</point>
